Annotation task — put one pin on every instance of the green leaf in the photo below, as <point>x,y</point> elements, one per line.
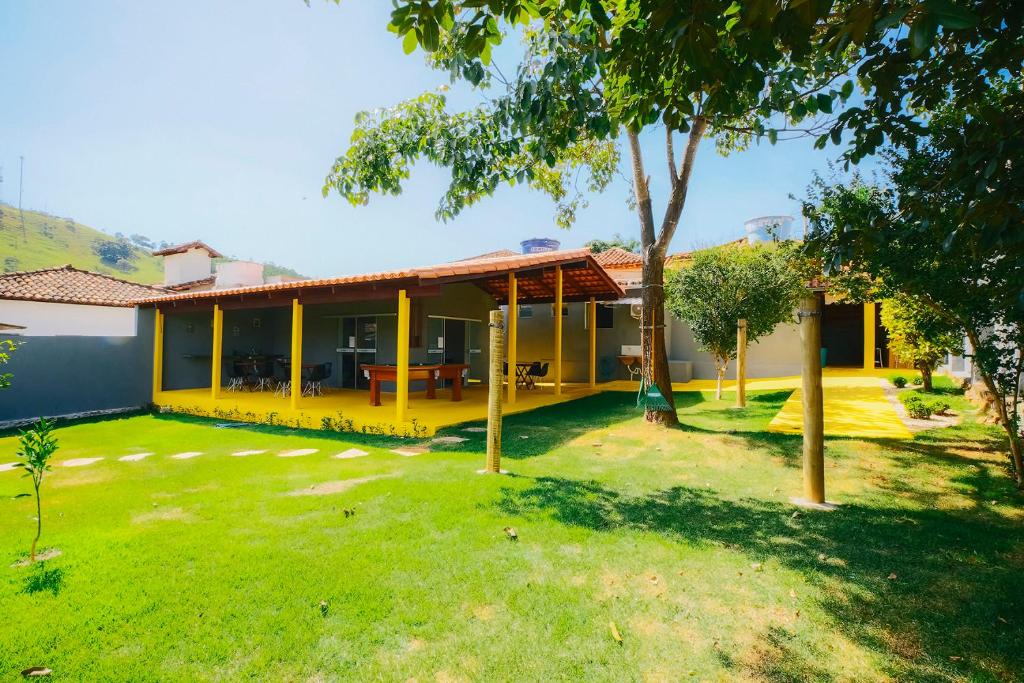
<point>949,15</point>
<point>922,32</point>
<point>409,42</point>
<point>824,103</point>
<point>773,135</point>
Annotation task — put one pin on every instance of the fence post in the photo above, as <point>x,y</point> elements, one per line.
<point>741,363</point>
<point>497,329</point>
<point>814,421</point>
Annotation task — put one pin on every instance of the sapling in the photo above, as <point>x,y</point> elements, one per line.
<point>37,446</point>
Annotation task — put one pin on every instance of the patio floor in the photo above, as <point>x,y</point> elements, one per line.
<point>350,410</point>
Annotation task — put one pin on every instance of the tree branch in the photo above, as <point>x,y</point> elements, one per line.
<point>642,191</point>
<point>671,154</point>
<point>679,189</point>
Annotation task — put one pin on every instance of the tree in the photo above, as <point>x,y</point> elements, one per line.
<point>919,335</point>
<point>593,72</point>
<point>924,233</point>
<point>628,243</point>
<point>726,284</point>
<point>36,446</point>
<point>113,252</point>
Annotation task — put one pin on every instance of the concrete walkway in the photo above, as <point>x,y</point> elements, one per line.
<point>854,407</point>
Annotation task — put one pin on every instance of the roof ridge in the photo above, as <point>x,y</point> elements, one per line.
<point>75,269</point>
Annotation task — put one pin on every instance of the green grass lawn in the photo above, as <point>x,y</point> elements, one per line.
<point>209,569</point>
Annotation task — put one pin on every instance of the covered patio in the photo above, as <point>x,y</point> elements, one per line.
<point>312,347</point>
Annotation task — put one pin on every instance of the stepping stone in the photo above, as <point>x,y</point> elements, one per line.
<point>242,454</point>
<point>134,457</point>
<point>410,451</point>
<point>297,452</point>
<point>449,439</point>
<point>478,430</point>
<point>80,462</point>
<point>351,453</point>
<point>10,466</point>
<point>187,455</point>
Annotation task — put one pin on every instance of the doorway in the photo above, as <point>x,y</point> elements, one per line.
<point>358,345</point>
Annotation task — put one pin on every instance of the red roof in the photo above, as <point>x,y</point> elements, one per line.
<point>501,253</point>
<point>588,279</point>
<point>188,246</point>
<point>617,257</point>
<point>69,285</point>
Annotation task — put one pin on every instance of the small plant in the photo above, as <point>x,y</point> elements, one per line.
<point>939,406</point>
<point>899,381</point>
<point>37,445</point>
<point>918,381</point>
<point>917,407</point>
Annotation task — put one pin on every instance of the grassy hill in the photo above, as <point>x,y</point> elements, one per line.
<point>44,241</point>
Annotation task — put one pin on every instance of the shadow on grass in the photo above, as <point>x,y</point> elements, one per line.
<point>42,579</point>
<point>956,594</point>
<point>548,428</point>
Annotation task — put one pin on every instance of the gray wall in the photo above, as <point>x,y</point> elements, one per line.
<point>65,375</point>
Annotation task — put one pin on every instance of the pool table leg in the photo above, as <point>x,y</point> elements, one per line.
<point>431,386</point>
<point>374,391</point>
<point>457,388</point>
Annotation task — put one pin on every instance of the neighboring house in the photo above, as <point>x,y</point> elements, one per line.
<point>82,343</point>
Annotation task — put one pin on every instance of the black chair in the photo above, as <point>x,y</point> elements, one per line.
<point>536,372</point>
<point>314,383</point>
<point>265,374</point>
<point>238,379</point>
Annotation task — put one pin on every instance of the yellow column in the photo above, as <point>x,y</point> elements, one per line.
<point>513,334</point>
<point>402,375</point>
<point>592,319</point>
<point>158,353</point>
<point>217,359</point>
<point>869,335</point>
<point>558,330</point>
<point>296,360</point>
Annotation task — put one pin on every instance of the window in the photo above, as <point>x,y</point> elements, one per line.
<point>605,317</point>
<point>525,311</point>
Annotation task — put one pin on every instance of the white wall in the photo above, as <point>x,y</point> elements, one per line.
<point>42,319</point>
<point>777,355</point>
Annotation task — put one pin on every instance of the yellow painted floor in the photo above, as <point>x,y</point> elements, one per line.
<point>854,403</point>
<point>855,406</point>
<point>350,410</point>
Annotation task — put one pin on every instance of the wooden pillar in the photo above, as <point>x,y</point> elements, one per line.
<point>869,335</point>
<point>558,330</point>
<point>741,363</point>
<point>592,361</point>
<point>402,373</point>
<point>495,325</point>
<point>217,357</point>
<point>158,353</point>
<point>814,423</point>
<point>513,334</point>
<point>296,360</point>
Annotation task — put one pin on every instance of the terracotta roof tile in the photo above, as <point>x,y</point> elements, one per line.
<point>617,257</point>
<point>69,285</point>
<point>182,248</point>
<point>424,275</point>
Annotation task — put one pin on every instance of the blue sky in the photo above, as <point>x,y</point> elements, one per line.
<point>219,121</point>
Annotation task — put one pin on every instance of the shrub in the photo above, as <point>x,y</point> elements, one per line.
<point>918,381</point>
<point>939,406</point>
<point>899,381</point>
<point>917,407</point>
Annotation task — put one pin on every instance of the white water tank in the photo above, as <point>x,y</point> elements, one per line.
<point>768,229</point>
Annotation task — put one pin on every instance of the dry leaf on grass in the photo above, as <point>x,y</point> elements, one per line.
<point>615,632</point>
<point>36,672</point>
<point>511,533</point>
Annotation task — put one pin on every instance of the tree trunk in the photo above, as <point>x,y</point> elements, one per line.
<point>1004,418</point>
<point>652,337</point>
<point>39,527</point>
<point>926,377</point>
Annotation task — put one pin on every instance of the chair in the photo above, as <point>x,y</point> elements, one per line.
<point>239,375</point>
<point>263,376</point>
<point>537,371</point>
<point>313,385</point>
<point>284,387</point>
